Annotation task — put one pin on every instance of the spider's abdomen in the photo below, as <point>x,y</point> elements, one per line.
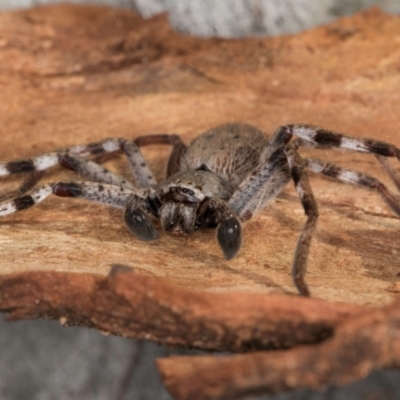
<point>231,151</point>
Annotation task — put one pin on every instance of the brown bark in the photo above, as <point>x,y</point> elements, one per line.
<point>361,345</point>
<point>70,75</point>
<point>134,305</point>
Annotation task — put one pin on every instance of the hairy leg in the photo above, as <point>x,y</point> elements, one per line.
<point>73,158</point>
<point>303,188</point>
<point>354,177</point>
<point>178,148</point>
<point>320,138</point>
<point>134,202</point>
<point>107,194</point>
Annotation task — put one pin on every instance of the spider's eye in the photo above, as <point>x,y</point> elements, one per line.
<point>187,191</point>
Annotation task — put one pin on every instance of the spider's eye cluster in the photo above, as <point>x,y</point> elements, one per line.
<point>187,191</point>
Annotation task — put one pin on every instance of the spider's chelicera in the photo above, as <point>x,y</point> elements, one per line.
<point>221,179</point>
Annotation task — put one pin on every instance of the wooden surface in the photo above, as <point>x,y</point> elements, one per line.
<point>70,75</point>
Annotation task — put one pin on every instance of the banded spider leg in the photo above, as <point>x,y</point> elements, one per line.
<point>74,158</point>
<point>113,189</point>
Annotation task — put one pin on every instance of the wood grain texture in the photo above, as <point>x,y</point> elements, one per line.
<point>347,357</point>
<point>70,75</point>
<point>134,305</point>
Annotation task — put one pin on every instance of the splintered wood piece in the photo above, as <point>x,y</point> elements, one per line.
<point>138,306</point>
<point>361,345</point>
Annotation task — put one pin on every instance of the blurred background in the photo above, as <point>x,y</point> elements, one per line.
<point>237,18</point>
<point>40,360</point>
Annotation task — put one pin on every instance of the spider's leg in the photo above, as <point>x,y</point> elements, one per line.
<point>314,136</point>
<point>48,160</point>
<point>93,171</point>
<point>26,201</point>
<point>267,180</point>
<point>303,188</point>
<point>389,170</point>
<point>107,194</point>
<point>355,177</point>
<point>263,184</point>
<point>141,171</point>
<point>134,202</point>
<point>36,166</point>
<point>29,183</point>
<point>178,148</point>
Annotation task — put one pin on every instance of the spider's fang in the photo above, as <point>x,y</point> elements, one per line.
<point>229,235</point>
<point>153,205</point>
<point>140,225</point>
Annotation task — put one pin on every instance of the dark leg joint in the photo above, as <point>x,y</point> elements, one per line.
<point>283,134</point>
<point>20,166</point>
<point>327,138</point>
<point>24,202</point>
<point>95,148</point>
<point>67,189</point>
<point>69,162</point>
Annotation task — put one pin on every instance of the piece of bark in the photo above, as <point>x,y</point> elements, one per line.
<point>368,342</point>
<point>134,305</point>
<point>73,74</point>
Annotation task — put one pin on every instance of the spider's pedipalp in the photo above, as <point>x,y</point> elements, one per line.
<point>139,224</point>
<point>229,235</point>
<point>229,229</point>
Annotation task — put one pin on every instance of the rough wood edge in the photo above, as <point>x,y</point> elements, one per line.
<point>138,306</point>
<point>359,346</point>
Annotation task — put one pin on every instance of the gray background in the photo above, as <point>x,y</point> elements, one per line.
<point>237,18</point>
<point>40,360</point>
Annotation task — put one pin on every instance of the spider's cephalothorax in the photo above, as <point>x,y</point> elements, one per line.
<point>220,180</point>
<point>184,198</point>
